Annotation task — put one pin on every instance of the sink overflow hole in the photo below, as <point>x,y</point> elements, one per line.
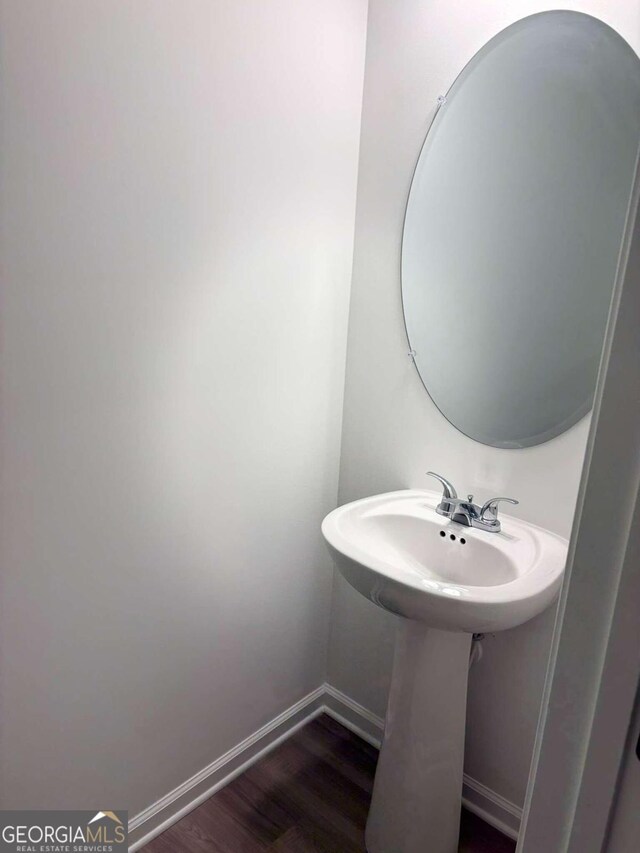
<point>452,536</point>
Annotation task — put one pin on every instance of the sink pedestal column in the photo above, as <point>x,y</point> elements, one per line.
<point>418,786</point>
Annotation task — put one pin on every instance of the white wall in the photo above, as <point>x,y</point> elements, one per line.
<point>392,432</point>
<point>178,200</point>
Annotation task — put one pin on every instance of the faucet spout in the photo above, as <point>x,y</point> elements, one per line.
<point>465,511</point>
<point>462,511</point>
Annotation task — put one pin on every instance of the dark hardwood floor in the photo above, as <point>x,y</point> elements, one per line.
<point>310,795</point>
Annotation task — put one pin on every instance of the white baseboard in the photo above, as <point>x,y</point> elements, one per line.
<point>146,825</point>
<point>353,716</point>
<point>491,807</point>
<point>177,803</point>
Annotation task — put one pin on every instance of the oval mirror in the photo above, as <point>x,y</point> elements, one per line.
<point>514,224</point>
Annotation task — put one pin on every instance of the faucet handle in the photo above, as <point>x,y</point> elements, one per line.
<point>489,511</point>
<point>448,489</point>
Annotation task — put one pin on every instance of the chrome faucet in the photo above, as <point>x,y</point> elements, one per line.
<point>464,511</point>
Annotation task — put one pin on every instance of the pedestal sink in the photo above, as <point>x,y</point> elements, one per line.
<point>447,581</point>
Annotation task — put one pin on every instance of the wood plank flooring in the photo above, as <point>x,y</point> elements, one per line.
<point>310,795</point>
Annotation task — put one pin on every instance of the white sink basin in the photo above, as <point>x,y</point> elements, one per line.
<point>396,551</point>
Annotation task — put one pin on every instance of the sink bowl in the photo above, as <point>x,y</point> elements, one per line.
<point>449,582</point>
<point>396,551</point>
